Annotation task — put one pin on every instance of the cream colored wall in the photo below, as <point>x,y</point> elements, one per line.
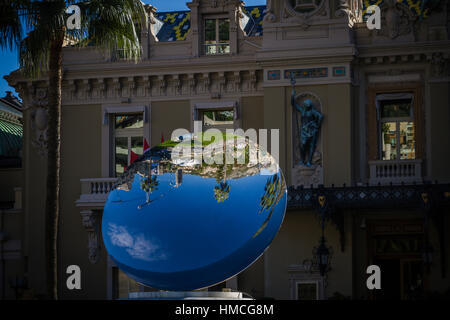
<point>80,158</point>
<point>439,138</point>
<point>275,118</point>
<point>252,110</point>
<point>298,236</point>
<point>168,116</point>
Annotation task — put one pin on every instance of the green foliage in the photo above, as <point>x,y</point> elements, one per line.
<point>222,192</point>
<point>108,25</point>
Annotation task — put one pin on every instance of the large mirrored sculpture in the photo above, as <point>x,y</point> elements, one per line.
<point>181,224</point>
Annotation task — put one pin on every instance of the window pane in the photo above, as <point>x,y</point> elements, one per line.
<point>407,141</point>
<point>210,30</point>
<point>224,30</point>
<point>137,145</point>
<point>211,49</point>
<point>223,49</point>
<point>389,140</point>
<point>129,121</point>
<point>396,109</point>
<point>221,120</point>
<point>121,153</point>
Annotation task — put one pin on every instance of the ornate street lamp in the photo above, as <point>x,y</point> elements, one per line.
<point>322,257</point>
<point>322,253</point>
<point>427,252</point>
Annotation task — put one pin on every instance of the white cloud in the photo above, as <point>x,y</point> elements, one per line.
<point>138,247</point>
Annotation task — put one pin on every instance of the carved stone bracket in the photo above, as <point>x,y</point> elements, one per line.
<point>222,82</point>
<point>90,220</point>
<point>192,83</point>
<point>237,81</point>
<point>177,84</point>
<point>162,85</point>
<point>206,81</point>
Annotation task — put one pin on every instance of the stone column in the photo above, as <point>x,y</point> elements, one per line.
<point>195,28</point>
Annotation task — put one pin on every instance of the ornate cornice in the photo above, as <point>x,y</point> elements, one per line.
<point>179,85</point>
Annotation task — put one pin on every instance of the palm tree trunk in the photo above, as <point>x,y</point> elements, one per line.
<point>53,164</point>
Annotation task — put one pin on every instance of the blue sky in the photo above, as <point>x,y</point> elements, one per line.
<point>9,61</point>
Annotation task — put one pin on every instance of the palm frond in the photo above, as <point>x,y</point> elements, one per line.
<point>11,30</point>
<point>112,25</point>
<point>34,53</point>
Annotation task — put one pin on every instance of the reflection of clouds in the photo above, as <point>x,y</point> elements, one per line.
<point>136,246</point>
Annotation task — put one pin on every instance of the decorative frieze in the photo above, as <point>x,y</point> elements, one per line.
<point>192,83</point>
<point>95,90</point>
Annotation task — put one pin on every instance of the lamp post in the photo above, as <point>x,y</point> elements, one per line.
<point>427,251</point>
<point>322,257</point>
<point>322,253</point>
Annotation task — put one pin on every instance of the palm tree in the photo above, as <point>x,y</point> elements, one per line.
<point>222,190</point>
<point>106,24</point>
<point>149,185</point>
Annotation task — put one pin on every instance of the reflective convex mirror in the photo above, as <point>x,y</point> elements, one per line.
<point>176,221</point>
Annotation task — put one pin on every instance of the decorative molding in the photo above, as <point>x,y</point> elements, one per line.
<point>439,64</point>
<point>162,85</point>
<point>237,81</point>
<point>292,14</point>
<point>90,220</point>
<point>113,89</point>
<point>222,82</point>
<point>206,82</point>
<point>307,73</point>
<point>270,16</point>
<point>253,80</point>
<point>397,20</point>
<point>192,83</point>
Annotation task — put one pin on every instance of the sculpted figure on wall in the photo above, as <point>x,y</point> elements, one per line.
<point>308,132</point>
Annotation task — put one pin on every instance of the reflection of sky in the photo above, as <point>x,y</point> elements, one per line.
<point>137,246</point>
<point>184,228</point>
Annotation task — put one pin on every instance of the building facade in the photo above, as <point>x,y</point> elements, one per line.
<point>385,135</point>
<point>11,181</point>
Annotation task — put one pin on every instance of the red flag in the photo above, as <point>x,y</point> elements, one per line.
<point>133,157</point>
<point>162,137</point>
<point>146,146</point>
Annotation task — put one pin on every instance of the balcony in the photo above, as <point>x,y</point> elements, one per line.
<point>94,192</point>
<point>395,172</point>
